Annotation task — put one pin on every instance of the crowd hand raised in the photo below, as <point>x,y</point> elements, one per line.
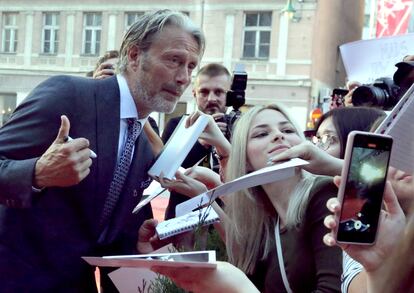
<point>103,71</point>
<point>205,175</point>
<point>212,135</point>
<point>320,162</point>
<point>64,163</point>
<point>403,186</point>
<point>390,229</point>
<point>148,240</point>
<point>183,184</point>
<point>220,121</point>
<point>225,278</point>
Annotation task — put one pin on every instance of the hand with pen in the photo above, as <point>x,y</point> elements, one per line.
<point>66,162</point>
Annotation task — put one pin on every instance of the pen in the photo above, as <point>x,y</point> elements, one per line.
<point>93,155</point>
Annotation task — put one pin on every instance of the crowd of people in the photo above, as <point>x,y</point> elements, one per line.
<point>59,202</point>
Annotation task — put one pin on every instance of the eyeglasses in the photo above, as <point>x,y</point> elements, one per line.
<point>323,142</point>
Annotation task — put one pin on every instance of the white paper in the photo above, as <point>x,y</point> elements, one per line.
<point>201,259</point>
<point>130,280</point>
<point>399,124</point>
<point>263,176</point>
<point>178,147</point>
<point>151,192</point>
<point>367,60</point>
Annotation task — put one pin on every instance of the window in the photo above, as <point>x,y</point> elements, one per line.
<point>9,42</point>
<point>257,29</point>
<point>50,35</point>
<point>92,26</point>
<point>130,18</point>
<point>7,106</point>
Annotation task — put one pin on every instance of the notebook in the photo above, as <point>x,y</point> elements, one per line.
<point>177,147</point>
<point>399,124</point>
<point>187,222</point>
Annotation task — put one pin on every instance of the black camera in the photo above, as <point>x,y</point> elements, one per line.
<point>383,93</point>
<point>235,98</point>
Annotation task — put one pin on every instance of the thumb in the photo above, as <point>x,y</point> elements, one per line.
<point>63,130</point>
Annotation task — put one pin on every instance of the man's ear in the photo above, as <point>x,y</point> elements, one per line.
<point>134,54</point>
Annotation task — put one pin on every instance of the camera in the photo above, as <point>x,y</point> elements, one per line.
<point>235,97</point>
<point>383,93</point>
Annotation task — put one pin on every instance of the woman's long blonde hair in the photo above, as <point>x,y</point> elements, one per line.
<point>252,215</point>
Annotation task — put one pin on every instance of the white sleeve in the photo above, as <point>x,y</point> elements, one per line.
<point>351,268</point>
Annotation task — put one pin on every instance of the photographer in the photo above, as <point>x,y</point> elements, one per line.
<point>210,87</point>
<point>384,92</point>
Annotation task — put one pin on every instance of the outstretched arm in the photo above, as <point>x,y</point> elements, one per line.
<point>226,278</point>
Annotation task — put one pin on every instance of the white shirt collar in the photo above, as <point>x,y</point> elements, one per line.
<point>128,107</point>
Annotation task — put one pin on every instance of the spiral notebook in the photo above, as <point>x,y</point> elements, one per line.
<point>399,125</point>
<point>187,222</point>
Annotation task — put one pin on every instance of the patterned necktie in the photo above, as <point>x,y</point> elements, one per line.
<point>121,171</point>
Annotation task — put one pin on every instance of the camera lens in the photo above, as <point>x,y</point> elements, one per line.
<point>369,96</point>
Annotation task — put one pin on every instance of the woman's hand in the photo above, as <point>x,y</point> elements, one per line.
<point>390,229</point>
<point>320,162</point>
<point>183,184</point>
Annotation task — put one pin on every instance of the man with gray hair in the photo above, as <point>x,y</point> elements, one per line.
<point>73,159</point>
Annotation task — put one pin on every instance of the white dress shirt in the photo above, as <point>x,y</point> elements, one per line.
<point>128,110</point>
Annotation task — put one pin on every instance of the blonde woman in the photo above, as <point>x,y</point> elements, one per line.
<point>274,232</point>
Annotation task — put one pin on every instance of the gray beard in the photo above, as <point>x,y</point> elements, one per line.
<point>154,104</point>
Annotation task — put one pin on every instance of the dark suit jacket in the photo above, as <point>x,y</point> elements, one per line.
<point>195,155</point>
<point>43,235</point>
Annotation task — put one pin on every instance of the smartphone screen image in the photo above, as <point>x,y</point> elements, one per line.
<point>363,188</point>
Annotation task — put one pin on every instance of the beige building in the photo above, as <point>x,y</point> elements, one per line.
<point>289,60</point>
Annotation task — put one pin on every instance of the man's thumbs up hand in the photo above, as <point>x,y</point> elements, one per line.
<point>64,163</point>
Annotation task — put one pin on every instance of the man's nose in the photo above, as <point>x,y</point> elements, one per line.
<point>183,76</point>
<point>211,96</point>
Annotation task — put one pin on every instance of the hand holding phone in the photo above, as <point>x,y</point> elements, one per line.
<point>362,186</point>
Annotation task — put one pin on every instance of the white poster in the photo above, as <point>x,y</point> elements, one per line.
<point>368,60</point>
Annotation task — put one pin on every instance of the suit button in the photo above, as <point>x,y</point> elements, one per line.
<point>135,193</point>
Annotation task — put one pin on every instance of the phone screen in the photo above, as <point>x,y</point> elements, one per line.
<point>364,189</point>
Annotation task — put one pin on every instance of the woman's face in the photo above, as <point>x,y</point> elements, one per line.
<point>327,138</point>
<point>270,133</point>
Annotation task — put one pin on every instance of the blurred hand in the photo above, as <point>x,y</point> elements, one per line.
<point>403,186</point>
<point>205,175</point>
<point>103,71</point>
<point>351,86</point>
<point>390,229</point>
<point>64,163</point>
<point>226,278</point>
<point>212,134</point>
<point>148,240</point>
<point>220,121</point>
<point>320,162</point>
<point>183,184</point>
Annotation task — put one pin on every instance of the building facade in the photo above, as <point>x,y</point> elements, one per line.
<point>41,38</point>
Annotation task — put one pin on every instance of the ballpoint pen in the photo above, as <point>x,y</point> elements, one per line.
<point>93,155</point>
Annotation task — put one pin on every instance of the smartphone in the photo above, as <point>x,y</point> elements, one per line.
<point>364,174</point>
